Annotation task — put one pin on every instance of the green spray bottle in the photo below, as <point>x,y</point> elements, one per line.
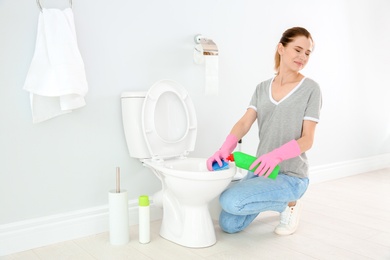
<point>244,161</point>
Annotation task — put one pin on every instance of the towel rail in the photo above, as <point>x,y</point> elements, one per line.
<point>40,6</point>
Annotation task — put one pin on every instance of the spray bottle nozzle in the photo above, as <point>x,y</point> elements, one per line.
<point>230,158</point>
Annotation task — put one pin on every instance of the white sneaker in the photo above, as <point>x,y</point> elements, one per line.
<point>289,220</point>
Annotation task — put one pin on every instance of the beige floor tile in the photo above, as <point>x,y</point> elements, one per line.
<point>65,250</point>
<point>99,247</point>
<point>381,238</point>
<point>26,255</point>
<point>358,246</point>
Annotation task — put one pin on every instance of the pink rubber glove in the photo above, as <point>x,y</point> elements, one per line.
<point>269,161</point>
<point>226,149</point>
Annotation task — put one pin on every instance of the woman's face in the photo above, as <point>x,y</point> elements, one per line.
<point>296,54</point>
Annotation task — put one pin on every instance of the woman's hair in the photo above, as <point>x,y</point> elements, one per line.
<point>287,37</point>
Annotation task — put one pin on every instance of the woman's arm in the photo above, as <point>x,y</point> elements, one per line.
<point>307,137</point>
<point>238,131</point>
<point>267,162</point>
<point>241,128</point>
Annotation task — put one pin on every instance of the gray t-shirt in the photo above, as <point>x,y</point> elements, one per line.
<point>281,122</point>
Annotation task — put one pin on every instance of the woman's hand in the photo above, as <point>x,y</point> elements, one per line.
<point>267,162</point>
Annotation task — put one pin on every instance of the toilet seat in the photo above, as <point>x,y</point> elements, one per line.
<point>168,121</point>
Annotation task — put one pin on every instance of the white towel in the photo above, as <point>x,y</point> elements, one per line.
<point>56,79</point>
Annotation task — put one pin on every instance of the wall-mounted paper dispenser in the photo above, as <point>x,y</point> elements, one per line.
<point>206,51</point>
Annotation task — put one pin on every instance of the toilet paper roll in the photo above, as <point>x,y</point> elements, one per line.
<point>118,217</point>
<point>212,80</point>
<point>198,54</point>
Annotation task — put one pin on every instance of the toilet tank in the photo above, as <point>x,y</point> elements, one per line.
<point>132,103</point>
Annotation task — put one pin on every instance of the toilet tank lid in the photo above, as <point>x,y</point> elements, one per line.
<point>134,94</point>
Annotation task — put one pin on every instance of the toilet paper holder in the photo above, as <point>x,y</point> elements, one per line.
<point>208,46</point>
<point>206,52</point>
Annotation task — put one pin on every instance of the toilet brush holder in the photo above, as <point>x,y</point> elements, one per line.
<point>118,215</point>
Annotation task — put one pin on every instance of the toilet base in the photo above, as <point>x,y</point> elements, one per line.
<point>195,231</point>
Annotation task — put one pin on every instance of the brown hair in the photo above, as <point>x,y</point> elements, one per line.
<point>287,37</point>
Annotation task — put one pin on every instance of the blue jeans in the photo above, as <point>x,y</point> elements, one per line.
<point>243,201</point>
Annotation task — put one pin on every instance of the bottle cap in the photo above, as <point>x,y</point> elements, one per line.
<point>143,200</point>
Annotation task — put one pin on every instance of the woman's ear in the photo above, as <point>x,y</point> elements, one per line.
<point>280,48</point>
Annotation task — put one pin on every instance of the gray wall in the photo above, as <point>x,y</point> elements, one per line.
<point>68,163</point>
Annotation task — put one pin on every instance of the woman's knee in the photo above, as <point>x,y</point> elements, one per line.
<point>230,223</point>
<point>227,223</point>
<point>228,202</point>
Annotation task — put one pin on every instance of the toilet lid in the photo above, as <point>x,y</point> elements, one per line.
<point>168,120</point>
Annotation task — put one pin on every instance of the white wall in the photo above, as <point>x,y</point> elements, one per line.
<point>68,163</point>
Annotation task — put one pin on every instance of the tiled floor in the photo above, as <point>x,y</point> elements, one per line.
<point>348,218</point>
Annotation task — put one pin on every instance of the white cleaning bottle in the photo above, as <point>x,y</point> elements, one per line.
<point>144,219</point>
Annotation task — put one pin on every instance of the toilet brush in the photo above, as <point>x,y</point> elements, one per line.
<point>118,214</point>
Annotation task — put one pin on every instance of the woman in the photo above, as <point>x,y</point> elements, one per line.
<point>287,109</point>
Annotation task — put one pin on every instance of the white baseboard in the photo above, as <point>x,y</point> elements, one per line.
<point>348,168</point>
<point>29,234</point>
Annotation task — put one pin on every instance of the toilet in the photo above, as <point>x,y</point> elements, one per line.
<point>160,128</point>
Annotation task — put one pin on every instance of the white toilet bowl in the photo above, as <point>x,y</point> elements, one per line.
<point>189,189</point>
<point>160,129</point>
